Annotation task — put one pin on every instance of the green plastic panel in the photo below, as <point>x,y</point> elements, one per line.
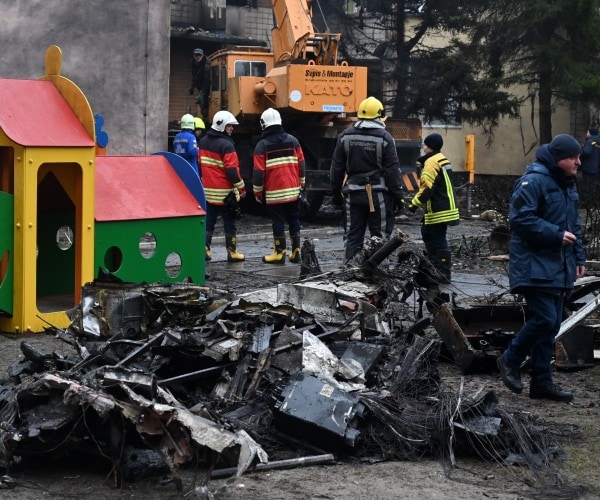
<point>167,250</point>
<point>7,244</point>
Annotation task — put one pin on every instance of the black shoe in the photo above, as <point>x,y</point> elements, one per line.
<point>510,376</point>
<point>551,392</point>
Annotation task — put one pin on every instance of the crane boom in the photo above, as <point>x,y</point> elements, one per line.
<point>294,36</point>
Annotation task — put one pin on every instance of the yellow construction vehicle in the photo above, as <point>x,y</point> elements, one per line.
<point>302,78</point>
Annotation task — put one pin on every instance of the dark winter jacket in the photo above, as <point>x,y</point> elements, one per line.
<point>200,75</point>
<point>543,206</point>
<point>366,154</point>
<point>590,156</point>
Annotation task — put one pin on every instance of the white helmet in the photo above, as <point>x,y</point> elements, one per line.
<point>222,119</point>
<point>270,117</point>
<point>187,121</point>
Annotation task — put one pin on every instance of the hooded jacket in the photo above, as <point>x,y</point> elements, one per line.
<point>544,205</point>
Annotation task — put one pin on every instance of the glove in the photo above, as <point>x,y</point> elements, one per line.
<point>399,205</point>
<point>413,208</point>
<point>233,205</point>
<point>259,197</point>
<point>338,199</point>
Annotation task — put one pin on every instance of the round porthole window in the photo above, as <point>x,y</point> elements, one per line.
<point>64,237</point>
<point>147,245</point>
<point>113,258</point>
<point>173,264</point>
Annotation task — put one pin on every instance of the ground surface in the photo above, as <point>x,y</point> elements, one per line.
<point>423,479</point>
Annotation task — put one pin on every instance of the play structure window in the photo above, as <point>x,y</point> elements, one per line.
<point>173,264</point>
<point>148,245</point>
<point>64,237</point>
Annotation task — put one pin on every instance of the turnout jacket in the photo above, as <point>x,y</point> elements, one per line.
<point>436,192</point>
<point>544,205</point>
<point>220,167</point>
<point>278,166</point>
<point>366,154</point>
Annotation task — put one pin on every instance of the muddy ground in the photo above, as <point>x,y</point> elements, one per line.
<point>428,478</point>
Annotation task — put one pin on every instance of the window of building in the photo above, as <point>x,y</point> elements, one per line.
<point>214,77</point>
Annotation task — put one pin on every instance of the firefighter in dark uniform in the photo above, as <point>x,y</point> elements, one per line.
<point>366,169</point>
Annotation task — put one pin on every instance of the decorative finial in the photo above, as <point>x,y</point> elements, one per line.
<point>53,60</point>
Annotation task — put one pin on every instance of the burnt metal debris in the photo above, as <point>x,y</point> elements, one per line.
<point>341,366</point>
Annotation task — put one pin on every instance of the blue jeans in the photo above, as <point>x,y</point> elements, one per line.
<point>536,337</point>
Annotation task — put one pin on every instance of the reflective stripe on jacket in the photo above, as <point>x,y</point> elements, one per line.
<point>278,166</point>
<point>366,154</point>
<point>436,191</point>
<point>220,167</point>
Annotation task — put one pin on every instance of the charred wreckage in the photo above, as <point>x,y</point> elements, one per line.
<point>336,366</point>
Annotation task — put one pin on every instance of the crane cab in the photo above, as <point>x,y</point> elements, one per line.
<point>234,74</point>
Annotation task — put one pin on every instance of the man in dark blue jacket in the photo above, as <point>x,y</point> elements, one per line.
<point>546,257</point>
<point>590,158</point>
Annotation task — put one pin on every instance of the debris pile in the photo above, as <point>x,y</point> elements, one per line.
<point>165,377</point>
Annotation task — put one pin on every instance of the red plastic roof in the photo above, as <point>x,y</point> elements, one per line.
<point>33,113</point>
<point>141,187</point>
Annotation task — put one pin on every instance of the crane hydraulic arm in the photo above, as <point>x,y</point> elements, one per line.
<point>294,36</point>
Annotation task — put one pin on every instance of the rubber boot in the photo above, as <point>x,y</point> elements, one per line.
<point>232,254</point>
<point>207,245</point>
<point>295,255</point>
<point>444,258</point>
<point>278,255</point>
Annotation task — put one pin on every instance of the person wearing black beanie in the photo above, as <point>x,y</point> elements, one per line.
<point>564,146</point>
<point>434,142</point>
<point>436,197</point>
<point>590,159</point>
<point>546,257</point>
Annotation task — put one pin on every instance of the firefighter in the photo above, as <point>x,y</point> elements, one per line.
<point>278,180</point>
<point>220,169</point>
<point>366,170</point>
<point>185,143</point>
<point>199,127</point>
